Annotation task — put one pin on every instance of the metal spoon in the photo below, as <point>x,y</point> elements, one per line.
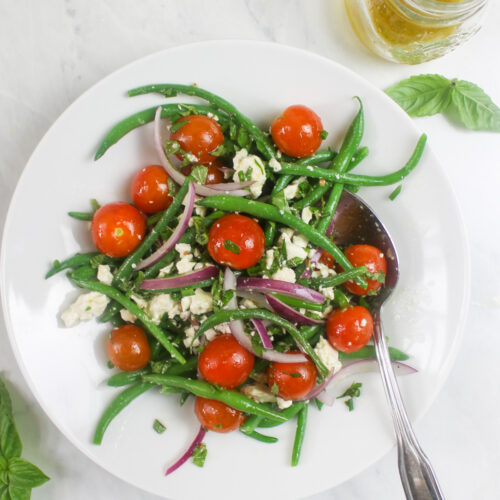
<point>354,223</point>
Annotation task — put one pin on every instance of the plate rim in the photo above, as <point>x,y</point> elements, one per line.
<point>462,235</point>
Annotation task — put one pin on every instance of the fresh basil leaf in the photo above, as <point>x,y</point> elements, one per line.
<point>232,247</point>
<point>200,454</point>
<point>422,95</point>
<point>158,427</point>
<point>5,402</point>
<point>199,174</point>
<point>10,443</point>
<point>4,471</point>
<point>280,202</point>
<point>475,108</point>
<point>4,492</point>
<point>19,493</point>
<point>24,474</point>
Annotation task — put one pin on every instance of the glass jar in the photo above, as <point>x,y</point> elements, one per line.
<point>414,31</point>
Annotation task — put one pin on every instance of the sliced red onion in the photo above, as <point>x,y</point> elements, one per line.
<point>316,256</point>
<point>261,330</point>
<point>237,329</point>
<point>231,186</point>
<point>278,286</point>
<point>329,229</point>
<point>181,280</point>
<point>359,366</point>
<point>177,176</point>
<point>284,310</point>
<point>175,236</point>
<point>326,398</point>
<point>188,453</point>
<point>306,274</point>
<point>258,298</point>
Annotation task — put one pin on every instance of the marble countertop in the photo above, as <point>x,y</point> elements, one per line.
<point>51,52</point>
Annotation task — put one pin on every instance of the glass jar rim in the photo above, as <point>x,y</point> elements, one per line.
<point>438,8</point>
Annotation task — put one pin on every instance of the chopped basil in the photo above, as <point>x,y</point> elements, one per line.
<point>324,134</point>
<point>158,427</point>
<point>177,126</point>
<point>354,391</point>
<point>200,454</point>
<point>199,174</point>
<point>232,247</point>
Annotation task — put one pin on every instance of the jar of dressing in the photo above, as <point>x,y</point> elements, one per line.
<point>414,31</point>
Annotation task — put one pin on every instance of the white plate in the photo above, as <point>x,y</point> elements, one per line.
<point>66,369</point>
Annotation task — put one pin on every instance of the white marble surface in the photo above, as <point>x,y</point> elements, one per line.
<point>52,51</point>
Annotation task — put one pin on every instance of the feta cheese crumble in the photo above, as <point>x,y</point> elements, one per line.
<point>161,304</point>
<point>284,274</point>
<point>328,354</point>
<point>251,168</point>
<point>275,164</point>
<point>104,274</point>
<point>87,306</point>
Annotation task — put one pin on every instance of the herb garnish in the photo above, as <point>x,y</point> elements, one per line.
<point>158,427</point>
<point>232,247</point>
<point>200,454</point>
<point>352,392</point>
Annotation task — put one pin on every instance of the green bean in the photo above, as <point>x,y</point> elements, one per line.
<point>395,193</point>
<point>77,260</point>
<point>269,212</point>
<point>116,406</point>
<point>200,284</point>
<point>319,157</point>
<point>251,423</point>
<point>172,89</point>
<point>111,309</point>
<point>203,389</point>
<point>335,280</point>
<point>340,165</point>
<point>147,115</point>
<point>368,351</point>
<point>310,330</point>
<point>288,413</point>
<point>127,378</point>
<point>190,365</point>
<point>340,299</point>
<point>319,191</point>
<point>86,216</point>
<point>299,435</point>
<point>270,233</point>
<point>85,272</point>
<point>115,294</point>
<point>295,302</point>
<point>125,270</point>
<point>226,315</point>
<point>259,437</point>
<point>363,180</point>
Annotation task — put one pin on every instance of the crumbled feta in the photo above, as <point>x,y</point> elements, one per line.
<point>185,265</point>
<point>306,214</point>
<point>183,249</point>
<point>251,166</point>
<point>269,258</point>
<point>142,303</point>
<point>290,191</point>
<point>328,355</point>
<point>86,306</point>
<point>286,231</point>
<point>275,164</point>
<point>328,292</point>
<point>223,328</point>
<point>210,334</point>
<point>249,304</point>
<point>161,304</point>
<point>284,274</point>
<point>164,271</point>
<point>126,315</point>
<point>190,333</point>
<point>260,393</point>
<point>283,403</point>
<point>300,241</point>
<point>201,302</point>
<point>104,274</point>
<point>322,271</point>
<point>292,250</point>
<point>201,211</point>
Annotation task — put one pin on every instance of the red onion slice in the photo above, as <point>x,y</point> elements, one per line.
<point>175,236</point>
<point>188,453</point>
<point>231,186</point>
<point>243,339</point>
<point>278,286</point>
<point>261,330</point>
<point>284,310</point>
<point>359,366</point>
<point>182,280</point>
<point>258,298</point>
<point>177,176</point>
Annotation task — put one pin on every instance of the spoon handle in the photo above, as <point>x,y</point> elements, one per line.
<point>417,476</point>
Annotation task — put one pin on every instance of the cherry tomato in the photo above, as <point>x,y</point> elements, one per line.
<point>294,380</point>
<point>370,257</point>
<point>216,416</point>
<point>237,241</point>
<point>117,229</point>
<point>128,348</point>
<point>297,131</point>
<point>225,362</point>
<point>214,174</point>
<point>349,329</point>
<point>327,259</point>
<point>149,189</point>
<point>199,136</point>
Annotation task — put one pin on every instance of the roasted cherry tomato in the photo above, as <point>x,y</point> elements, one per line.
<point>128,348</point>
<point>370,257</point>
<point>149,189</point>
<point>225,362</point>
<point>199,136</point>
<point>237,241</point>
<point>214,174</point>
<point>117,229</point>
<point>349,329</point>
<point>216,416</point>
<point>293,380</point>
<point>297,131</point>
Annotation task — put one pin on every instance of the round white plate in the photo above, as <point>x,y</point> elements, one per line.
<point>66,368</point>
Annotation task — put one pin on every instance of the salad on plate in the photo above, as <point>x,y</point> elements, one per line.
<point>220,275</point>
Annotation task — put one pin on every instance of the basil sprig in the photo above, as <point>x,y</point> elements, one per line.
<point>17,476</point>
<point>426,95</point>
